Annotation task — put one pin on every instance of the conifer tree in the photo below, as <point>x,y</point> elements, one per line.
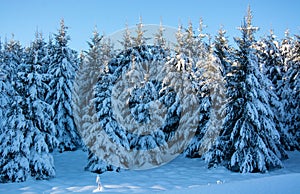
<point>14,162</point>
<point>91,67</point>
<point>271,65</point>
<point>140,38</point>
<point>223,51</point>
<point>37,122</point>
<point>190,42</point>
<point>126,42</point>
<point>107,52</point>
<point>62,68</point>
<point>291,89</point>
<point>249,141</point>
<point>23,141</point>
<point>159,39</point>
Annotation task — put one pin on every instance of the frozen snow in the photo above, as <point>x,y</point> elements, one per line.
<point>182,175</point>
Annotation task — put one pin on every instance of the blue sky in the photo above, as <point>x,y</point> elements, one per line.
<point>23,18</point>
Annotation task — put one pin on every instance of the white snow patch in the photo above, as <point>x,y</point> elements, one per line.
<point>182,175</point>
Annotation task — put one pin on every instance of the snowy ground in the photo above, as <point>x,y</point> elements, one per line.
<point>179,176</point>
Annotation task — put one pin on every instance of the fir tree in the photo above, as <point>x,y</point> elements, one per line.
<point>159,39</point>
<point>14,162</point>
<point>126,42</point>
<point>210,86</point>
<point>223,51</point>
<point>139,39</point>
<point>271,65</point>
<point>249,141</point>
<point>291,90</point>
<point>37,122</point>
<point>91,67</point>
<point>180,40</point>
<point>107,52</point>
<point>62,68</point>
<point>23,149</point>
<point>190,42</point>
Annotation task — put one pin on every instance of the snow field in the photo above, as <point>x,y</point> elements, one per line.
<point>181,175</point>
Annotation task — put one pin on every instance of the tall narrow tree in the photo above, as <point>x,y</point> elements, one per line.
<point>62,68</point>
<point>24,149</point>
<point>36,64</point>
<point>223,51</point>
<point>159,39</point>
<point>291,89</point>
<point>271,65</point>
<point>14,149</point>
<point>126,40</point>
<point>249,141</point>
<point>140,38</point>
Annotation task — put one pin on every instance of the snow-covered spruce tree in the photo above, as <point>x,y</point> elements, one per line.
<point>139,39</point>
<point>91,67</point>
<point>186,60</point>
<point>179,68</point>
<point>62,68</point>
<point>210,87</point>
<point>270,58</point>
<point>199,63</point>
<point>7,172</point>
<point>212,103</point>
<point>37,121</point>
<point>14,150</point>
<point>271,65</point>
<point>23,147</point>
<point>249,141</point>
<point>140,130</point>
<point>223,51</point>
<point>12,55</point>
<point>291,91</point>
<point>80,86</point>
<point>296,89</point>
<point>183,61</point>
<point>284,92</point>
<point>126,39</point>
<point>37,60</point>
<point>159,39</point>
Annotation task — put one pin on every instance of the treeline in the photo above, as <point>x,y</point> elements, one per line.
<point>259,116</point>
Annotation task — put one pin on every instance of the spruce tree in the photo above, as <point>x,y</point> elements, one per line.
<point>91,67</point>
<point>126,40</point>
<point>291,89</point>
<point>23,141</point>
<point>159,39</point>
<point>140,38</point>
<point>37,61</point>
<point>223,51</point>
<point>200,63</point>
<point>249,141</point>
<point>62,68</point>
<point>271,64</point>
<point>37,122</point>
<point>14,149</point>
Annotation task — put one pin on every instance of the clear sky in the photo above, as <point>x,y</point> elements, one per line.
<point>23,18</point>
